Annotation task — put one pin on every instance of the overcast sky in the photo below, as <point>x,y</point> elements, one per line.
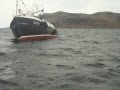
<point>7,7</point>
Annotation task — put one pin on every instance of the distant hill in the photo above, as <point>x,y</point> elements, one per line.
<point>79,20</point>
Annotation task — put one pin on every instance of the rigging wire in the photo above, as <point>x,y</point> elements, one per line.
<point>24,5</point>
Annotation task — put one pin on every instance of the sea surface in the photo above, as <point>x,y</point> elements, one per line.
<point>79,59</point>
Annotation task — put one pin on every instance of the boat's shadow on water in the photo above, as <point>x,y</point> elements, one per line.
<point>32,46</point>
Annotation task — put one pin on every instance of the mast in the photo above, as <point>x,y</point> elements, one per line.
<point>16,7</point>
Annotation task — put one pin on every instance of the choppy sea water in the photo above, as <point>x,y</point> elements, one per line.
<point>79,59</point>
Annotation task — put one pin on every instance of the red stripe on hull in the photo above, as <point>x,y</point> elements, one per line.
<point>37,37</point>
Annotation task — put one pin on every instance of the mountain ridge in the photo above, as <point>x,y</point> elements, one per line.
<point>101,20</point>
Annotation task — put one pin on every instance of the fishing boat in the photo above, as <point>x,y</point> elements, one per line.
<point>31,27</point>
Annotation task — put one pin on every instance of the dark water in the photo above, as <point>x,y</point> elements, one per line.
<point>77,60</point>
